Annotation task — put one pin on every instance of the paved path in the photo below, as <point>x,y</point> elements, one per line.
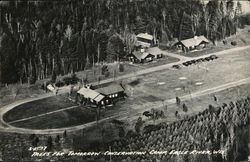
<point>4,127</point>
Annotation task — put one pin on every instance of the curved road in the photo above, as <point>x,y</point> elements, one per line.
<point>5,127</point>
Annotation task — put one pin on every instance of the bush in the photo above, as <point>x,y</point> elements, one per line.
<point>106,74</point>
<point>234,43</point>
<point>104,69</point>
<point>138,125</point>
<point>150,128</point>
<point>53,77</point>
<point>121,67</point>
<point>59,83</point>
<point>45,84</point>
<point>32,80</point>
<point>74,78</point>
<point>70,80</point>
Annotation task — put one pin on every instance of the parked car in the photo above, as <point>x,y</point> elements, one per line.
<point>193,61</point>
<point>203,59</point>
<point>185,63</point>
<point>207,58</point>
<point>213,57</point>
<point>176,66</point>
<point>189,62</point>
<point>199,60</point>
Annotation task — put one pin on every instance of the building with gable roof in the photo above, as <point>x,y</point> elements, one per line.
<point>145,40</point>
<point>197,42</point>
<point>103,95</point>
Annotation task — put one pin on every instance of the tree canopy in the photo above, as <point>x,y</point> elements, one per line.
<point>38,38</point>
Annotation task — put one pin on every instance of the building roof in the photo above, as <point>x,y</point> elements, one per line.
<point>154,51</point>
<point>89,93</point>
<point>111,89</point>
<point>197,40</point>
<point>145,36</point>
<point>141,55</point>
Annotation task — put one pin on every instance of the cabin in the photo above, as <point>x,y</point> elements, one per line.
<point>145,40</point>
<point>112,93</point>
<point>89,95</point>
<point>140,57</point>
<point>156,52</point>
<point>198,42</point>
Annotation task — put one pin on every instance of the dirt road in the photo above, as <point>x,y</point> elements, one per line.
<point>123,116</point>
<point>5,127</point>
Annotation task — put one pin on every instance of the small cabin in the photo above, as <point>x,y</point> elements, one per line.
<point>140,57</point>
<point>198,42</point>
<point>145,40</point>
<point>89,95</point>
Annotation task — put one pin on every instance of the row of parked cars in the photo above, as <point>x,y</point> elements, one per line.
<point>195,61</point>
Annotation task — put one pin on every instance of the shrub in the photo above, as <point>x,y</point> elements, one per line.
<point>138,125</point>
<point>53,77</point>
<point>106,74</point>
<point>74,78</point>
<point>121,67</point>
<point>104,69</point>
<point>59,83</point>
<point>32,79</point>
<point>70,80</point>
<point>234,43</point>
<point>150,128</point>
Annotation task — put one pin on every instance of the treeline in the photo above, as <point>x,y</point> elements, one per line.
<point>38,39</point>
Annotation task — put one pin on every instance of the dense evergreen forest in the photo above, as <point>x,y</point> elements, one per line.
<point>38,39</point>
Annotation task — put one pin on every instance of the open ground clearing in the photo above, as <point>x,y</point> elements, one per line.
<point>149,91</point>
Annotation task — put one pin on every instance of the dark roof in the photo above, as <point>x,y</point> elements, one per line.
<point>111,89</point>
<point>197,40</point>
<point>89,93</point>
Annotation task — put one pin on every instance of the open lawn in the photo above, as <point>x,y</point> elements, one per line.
<point>151,91</point>
<point>37,107</point>
<point>93,74</point>
<point>67,118</point>
<point>198,104</point>
<point>15,92</point>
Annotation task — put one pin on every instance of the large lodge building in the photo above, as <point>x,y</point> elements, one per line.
<point>101,96</point>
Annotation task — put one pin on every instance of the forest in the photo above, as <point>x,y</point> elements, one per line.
<point>40,39</point>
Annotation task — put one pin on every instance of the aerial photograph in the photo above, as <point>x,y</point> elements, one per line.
<point>124,80</point>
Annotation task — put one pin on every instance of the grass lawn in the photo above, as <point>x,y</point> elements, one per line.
<point>37,107</point>
<point>151,89</point>
<point>15,92</point>
<point>92,74</point>
<point>196,105</point>
<point>67,118</point>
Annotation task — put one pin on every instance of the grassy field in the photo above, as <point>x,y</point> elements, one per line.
<point>37,107</point>
<point>92,74</point>
<point>150,90</point>
<point>196,105</point>
<point>67,118</point>
<point>15,92</point>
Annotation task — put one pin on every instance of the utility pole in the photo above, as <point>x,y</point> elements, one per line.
<point>110,159</point>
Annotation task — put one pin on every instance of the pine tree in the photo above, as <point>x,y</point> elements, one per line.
<point>115,48</point>
<point>186,26</point>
